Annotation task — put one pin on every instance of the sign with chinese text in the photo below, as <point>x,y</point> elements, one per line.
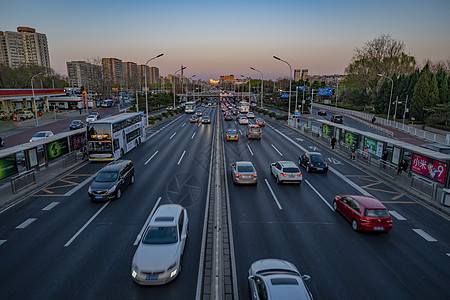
<point>429,168</point>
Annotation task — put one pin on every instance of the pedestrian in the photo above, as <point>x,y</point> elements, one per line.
<point>374,119</point>
<point>384,157</point>
<point>2,142</point>
<point>402,167</point>
<point>80,111</point>
<point>333,142</point>
<point>83,150</point>
<point>353,155</point>
<point>366,153</point>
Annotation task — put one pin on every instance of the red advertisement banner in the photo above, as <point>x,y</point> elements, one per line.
<point>429,167</point>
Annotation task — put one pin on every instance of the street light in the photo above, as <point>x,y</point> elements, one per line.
<point>193,86</point>
<point>173,85</point>
<point>290,79</point>
<point>262,86</point>
<point>145,76</point>
<point>390,99</point>
<point>34,100</point>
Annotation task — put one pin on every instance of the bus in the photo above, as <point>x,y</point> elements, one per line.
<point>107,103</point>
<point>189,107</point>
<point>244,107</point>
<point>110,138</point>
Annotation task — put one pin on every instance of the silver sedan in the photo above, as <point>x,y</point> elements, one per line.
<point>243,172</point>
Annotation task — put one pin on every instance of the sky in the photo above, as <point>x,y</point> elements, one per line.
<point>228,37</point>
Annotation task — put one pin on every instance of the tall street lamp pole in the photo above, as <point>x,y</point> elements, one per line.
<point>290,80</point>
<point>145,79</point>
<point>34,100</point>
<point>193,87</point>
<point>173,85</point>
<point>390,99</point>
<point>262,85</point>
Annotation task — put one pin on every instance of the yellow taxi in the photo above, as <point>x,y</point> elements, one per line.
<point>232,135</point>
<point>260,122</point>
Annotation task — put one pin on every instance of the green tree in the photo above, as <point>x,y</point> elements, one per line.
<point>420,99</point>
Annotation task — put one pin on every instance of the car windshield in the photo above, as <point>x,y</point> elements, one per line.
<point>232,131</point>
<point>76,122</point>
<point>254,129</point>
<point>40,134</point>
<point>245,169</point>
<point>316,158</point>
<point>376,213</point>
<point>291,170</point>
<point>106,177</point>
<point>161,235</point>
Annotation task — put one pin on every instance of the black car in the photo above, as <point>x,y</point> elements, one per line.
<point>76,124</point>
<point>337,119</point>
<point>112,180</point>
<point>322,112</point>
<point>313,161</point>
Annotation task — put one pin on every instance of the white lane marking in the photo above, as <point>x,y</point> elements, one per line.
<point>2,242</point>
<point>183,124</point>
<point>50,206</point>
<point>26,223</point>
<point>425,235</point>
<point>250,149</point>
<point>148,160</point>
<point>276,149</point>
<point>241,132</point>
<point>273,194</point>
<point>192,135</point>
<point>69,193</point>
<point>172,135</point>
<point>138,238</point>
<point>179,161</point>
<point>86,225</point>
<point>320,196</point>
<point>299,139</point>
<point>448,254</point>
<point>159,130</point>
<point>397,215</point>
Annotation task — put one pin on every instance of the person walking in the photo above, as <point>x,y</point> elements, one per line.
<point>333,142</point>
<point>83,150</point>
<point>384,157</point>
<point>403,166</point>
<point>2,142</point>
<point>353,155</point>
<point>374,119</point>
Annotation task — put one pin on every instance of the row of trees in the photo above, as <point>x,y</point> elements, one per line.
<point>20,77</point>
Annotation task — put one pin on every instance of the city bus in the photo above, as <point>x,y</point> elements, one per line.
<point>112,137</point>
<point>189,107</point>
<point>244,107</point>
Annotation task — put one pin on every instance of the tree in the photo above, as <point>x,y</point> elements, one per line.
<point>422,95</point>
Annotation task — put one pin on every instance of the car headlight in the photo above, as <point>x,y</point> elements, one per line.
<point>111,190</point>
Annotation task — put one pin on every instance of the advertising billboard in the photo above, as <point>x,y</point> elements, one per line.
<point>375,147</point>
<point>57,148</point>
<point>8,166</point>
<point>429,168</point>
<point>350,138</point>
<point>326,130</point>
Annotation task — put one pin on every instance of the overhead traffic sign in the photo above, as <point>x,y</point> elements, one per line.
<point>325,92</point>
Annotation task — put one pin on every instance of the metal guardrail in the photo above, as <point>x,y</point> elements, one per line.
<point>22,181</point>
<point>69,159</point>
<point>424,186</point>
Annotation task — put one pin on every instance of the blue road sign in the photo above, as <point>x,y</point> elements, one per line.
<point>301,88</point>
<point>325,92</point>
<point>297,114</point>
<point>284,95</point>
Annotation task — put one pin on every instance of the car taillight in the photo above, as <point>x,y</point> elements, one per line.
<point>254,175</point>
<point>237,175</point>
<point>299,175</point>
<point>228,136</point>
<point>326,165</point>
<point>311,165</point>
<point>389,221</point>
<point>282,174</point>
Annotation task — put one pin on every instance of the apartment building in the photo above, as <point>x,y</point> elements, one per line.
<point>26,46</point>
<point>130,74</point>
<point>154,75</point>
<point>297,74</point>
<point>112,71</point>
<point>143,72</point>
<point>84,74</point>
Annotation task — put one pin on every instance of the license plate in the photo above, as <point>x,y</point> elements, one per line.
<point>151,277</point>
<point>378,228</point>
<point>98,197</point>
<point>291,176</point>
<point>246,177</point>
<point>319,169</point>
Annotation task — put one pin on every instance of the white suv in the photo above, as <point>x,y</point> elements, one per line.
<point>286,171</point>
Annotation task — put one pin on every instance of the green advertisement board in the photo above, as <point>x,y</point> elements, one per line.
<point>350,138</point>
<point>326,130</point>
<point>8,166</point>
<point>375,147</point>
<point>57,148</point>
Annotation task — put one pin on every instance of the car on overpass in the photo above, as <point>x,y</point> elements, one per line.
<point>41,135</point>
<point>337,119</point>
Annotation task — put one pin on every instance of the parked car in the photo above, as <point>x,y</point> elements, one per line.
<point>277,279</point>
<point>260,122</point>
<point>41,135</point>
<point>26,114</point>
<point>286,171</point>
<point>112,180</point>
<point>206,120</point>
<point>254,132</point>
<point>158,257</point>
<point>313,161</point>
<point>337,119</point>
<point>232,135</point>
<point>243,172</point>
<point>363,212</point>
<point>76,124</point>
<point>322,112</point>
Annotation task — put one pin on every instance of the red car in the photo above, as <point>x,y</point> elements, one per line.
<point>364,212</point>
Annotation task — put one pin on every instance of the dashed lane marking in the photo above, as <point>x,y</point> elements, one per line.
<point>2,242</point>
<point>397,215</point>
<point>50,206</point>
<point>273,194</point>
<point>425,235</point>
<point>26,223</point>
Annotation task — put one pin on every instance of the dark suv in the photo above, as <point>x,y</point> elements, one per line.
<point>337,119</point>
<point>112,180</point>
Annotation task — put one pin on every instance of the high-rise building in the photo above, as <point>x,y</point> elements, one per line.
<point>26,46</point>
<point>305,74</point>
<point>154,75</point>
<point>83,74</point>
<point>130,74</point>
<point>143,71</point>
<point>297,74</point>
<point>112,71</point>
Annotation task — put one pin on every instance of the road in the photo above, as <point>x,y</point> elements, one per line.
<point>59,244</point>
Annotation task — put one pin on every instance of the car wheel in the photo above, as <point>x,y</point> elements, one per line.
<point>118,193</point>
<point>354,225</point>
<point>278,180</point>
<point>132,179</point>
<point>308,169</point>
<point>335,206</point>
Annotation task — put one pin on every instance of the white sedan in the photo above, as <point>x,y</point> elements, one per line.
<point>158,256</point>
<point>41,135</point>
<point>243,121</point>
<point>91,118</point>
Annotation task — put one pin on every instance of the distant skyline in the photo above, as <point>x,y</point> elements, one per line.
<point>223,38</point>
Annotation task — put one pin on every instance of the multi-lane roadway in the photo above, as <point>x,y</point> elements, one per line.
<point>59,244</point>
